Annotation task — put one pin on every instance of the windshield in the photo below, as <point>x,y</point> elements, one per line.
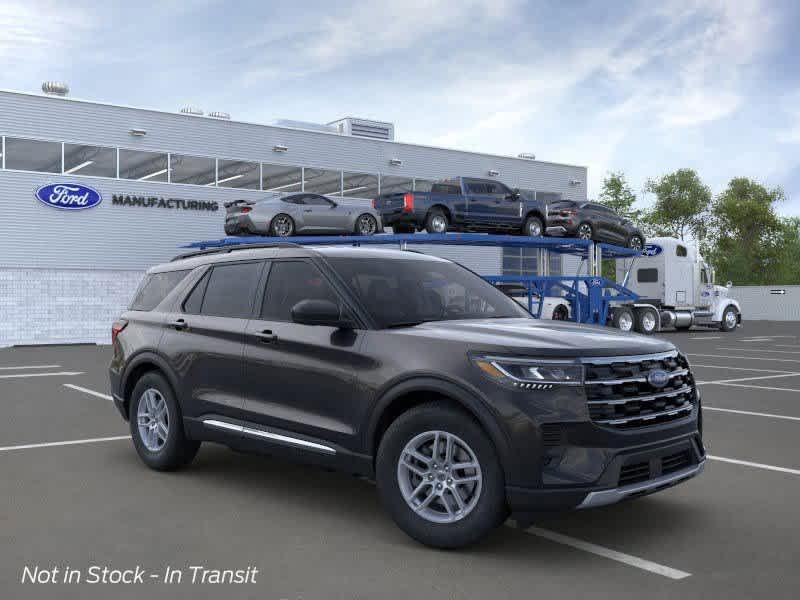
<point>408,292</point>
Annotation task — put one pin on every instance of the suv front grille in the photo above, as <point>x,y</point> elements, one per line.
<point>619,394</point>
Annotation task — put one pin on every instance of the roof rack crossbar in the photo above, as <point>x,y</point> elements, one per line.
<point>232,247</point>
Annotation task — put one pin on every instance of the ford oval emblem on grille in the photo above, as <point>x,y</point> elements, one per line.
<point>657,378</point>
<point>68,196</point>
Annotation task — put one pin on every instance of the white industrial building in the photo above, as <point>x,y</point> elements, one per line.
<point>163,177</point>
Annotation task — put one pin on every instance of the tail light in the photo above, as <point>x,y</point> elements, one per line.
<point>570,212</point>
<point>116,328</point>
<point>375,203</point>
<point>246,209</point>
<point>408,202</point>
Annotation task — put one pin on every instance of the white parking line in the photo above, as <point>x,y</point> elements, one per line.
<point>628,559</point>
<point>786,345</point>
<point>747,463</point>
<point>763,350</point>
<point>87,391</point>
<point>739,368</point>
<point>751,413</point>
<point>59,373</point>
<point>761,387</point>
<point>710,337</point>
<point>791,360</point>
<point>30,367</point>
<point>65,443</point>
<point>721,381</point>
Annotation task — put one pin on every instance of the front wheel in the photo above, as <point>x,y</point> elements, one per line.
<point>730,319</point>
<point>366,224</point>
<point>439,477</point>
<point>157,426</point>
<point>623,318</point>
<point>533,227</point>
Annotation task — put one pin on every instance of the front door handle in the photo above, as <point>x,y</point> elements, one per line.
<point>179,324</point>
<point>308,210</point>
<point>266,336</point>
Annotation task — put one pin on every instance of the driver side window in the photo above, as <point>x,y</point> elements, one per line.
<point>290,282</point>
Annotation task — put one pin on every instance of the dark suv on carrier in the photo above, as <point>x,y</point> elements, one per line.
<point>405,368</point>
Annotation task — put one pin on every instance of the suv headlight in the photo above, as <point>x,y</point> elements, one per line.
<point>529,374</point>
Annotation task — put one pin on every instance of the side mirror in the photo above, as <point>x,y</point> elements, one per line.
<point>319,312</point>
<point>514,195</point>
<point>333,204</point>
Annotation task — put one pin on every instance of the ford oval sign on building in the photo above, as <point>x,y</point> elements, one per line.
<point>652,250</point>
<point>68,196</point>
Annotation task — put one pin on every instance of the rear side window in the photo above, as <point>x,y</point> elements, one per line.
<point>446,188</point>
<point>289,283</point>
<point>155,288</point>
<point>230,289</point>
<point>647,275</point>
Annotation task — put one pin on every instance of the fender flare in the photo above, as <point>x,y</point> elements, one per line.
<point>150,357</point>
<point>465,398</point>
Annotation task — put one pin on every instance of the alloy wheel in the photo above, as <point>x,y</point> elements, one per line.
<point>625,322</point>
<point>439,224</point>
<point>282,226</point>
<point>366,225</point>
<point>730,319</point>
<point>439,477</point>
<point>534,228</point>
<point>152,418</point>
<point>648,321</point>
<point>636,243</point>
<point>585,231</point>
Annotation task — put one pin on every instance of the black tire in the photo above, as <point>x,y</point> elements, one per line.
<point>360,230</point>
<point>534,227</point>
<point>232,230</point>
<point>622,318</point>
<point>490,509</point>
<point>275,227</point>
<point>646,326</point>
<point>403,229</point>
<point>560,313</point>
<point>585,231</point>
<point>724,325</point>
<point>177,451</point>
<point>432,221</point>
<point>636,242</point>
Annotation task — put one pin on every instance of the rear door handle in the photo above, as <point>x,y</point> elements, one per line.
<point>179,324</point>
<point>266,336</point>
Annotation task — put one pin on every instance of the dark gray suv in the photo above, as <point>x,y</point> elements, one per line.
<point>405,368</point>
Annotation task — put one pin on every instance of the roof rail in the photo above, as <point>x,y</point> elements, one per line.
<point>232,247</point>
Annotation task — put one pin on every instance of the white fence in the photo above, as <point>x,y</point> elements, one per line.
<point>768,302</point>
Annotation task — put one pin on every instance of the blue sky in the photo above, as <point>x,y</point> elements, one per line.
<point>641,87</point>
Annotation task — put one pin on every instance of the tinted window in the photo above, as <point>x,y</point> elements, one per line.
<point>476,188</point>
<point>290,282</point>
<point>294,199</point>
<point>497,188</point>
<point>155,288</point>
<point>144,166</point>
<point>230,290</point>
<point>446,188</point>
<point>317,201</point>
<point>90,160</point>
<point>408,291</point>
<point>647,275</point>
<point>680,251</point>
<point>194,302</point>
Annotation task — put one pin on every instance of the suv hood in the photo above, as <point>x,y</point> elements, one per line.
<point>525,336</point>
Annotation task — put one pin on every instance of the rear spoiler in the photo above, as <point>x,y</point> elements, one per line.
<point>237,203</point>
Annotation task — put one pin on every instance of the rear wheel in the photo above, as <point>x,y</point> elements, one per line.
<point>560,313</point>
<point>730,319</point>
<point>439,477</point>
<point>366,224</point>
<point>157,425</point>
<point>635,242</point>
<point>533,227</point>
<point>646,321</point>
<point>585,231</point>
<point>437,221</point>
<point>282,225</point>
<point>622,318</point>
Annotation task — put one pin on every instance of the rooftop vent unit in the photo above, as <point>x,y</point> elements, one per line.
<point>216,114</point>
<point>192,110</point>
<point>55,88</point>
<point>303,125</point>
<point>376,130</point>
<point>527,155</point>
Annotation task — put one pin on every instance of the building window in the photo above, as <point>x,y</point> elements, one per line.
<point>144,166</point>
<point>360,185</point>
<point>33,155</point>
<point>323,181</point>
<point>238,174</point>
<point>95,161</point>
<point>280,178</point>
<point>396,185</point>
<point>195,170</point>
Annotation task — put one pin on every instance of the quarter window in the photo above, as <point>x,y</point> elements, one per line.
<point>289,283</point>
<point>230,290</point>
<point>33,155</point>
<point>155,288</point>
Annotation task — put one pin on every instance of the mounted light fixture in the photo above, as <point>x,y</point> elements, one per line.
<point>280,148</point>
<point>138,132</point>
<point>575,182</point>
<point>527,155</point>
<point>395,162</point>
<point>493,173</point>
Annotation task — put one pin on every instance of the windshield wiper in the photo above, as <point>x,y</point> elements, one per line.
<point>408,323</point>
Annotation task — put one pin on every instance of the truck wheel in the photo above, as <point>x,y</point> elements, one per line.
<point>623,318</point>
<point>730,319</point>
<point>402,229</point>
<point>439,477</point>
<point>533,227</point>
<point>646,321</point>
<point>436,222</point>
<point>560,313</point>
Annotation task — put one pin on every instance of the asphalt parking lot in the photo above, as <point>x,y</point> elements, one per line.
<point>75,495</point>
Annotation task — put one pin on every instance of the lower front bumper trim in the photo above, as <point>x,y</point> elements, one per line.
<point>604,497</point>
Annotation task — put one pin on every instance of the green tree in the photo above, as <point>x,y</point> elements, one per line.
<point>618,195</point>
<point>681,205</point>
